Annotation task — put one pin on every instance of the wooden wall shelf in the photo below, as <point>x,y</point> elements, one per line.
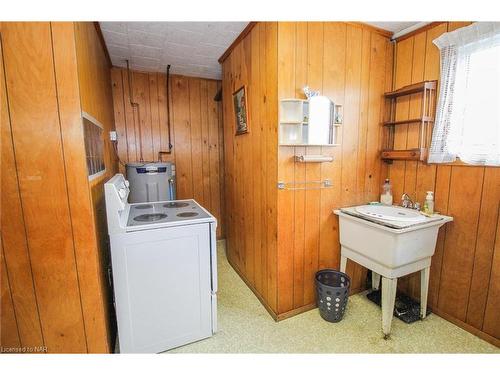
<point>410,121</point>
<point>413,154</point>
<point>411,89</point>
<point>427,91</point>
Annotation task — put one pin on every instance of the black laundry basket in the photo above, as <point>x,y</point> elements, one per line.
<point>332,288</point>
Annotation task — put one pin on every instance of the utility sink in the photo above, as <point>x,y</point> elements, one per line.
<point>393,242</point>
<point>391,213</point>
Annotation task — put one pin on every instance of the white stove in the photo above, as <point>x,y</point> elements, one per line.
<point>160,214</point>
<point>164,270</point>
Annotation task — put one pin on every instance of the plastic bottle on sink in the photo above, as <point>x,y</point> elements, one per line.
<point>386,196</point>
<point>429,203</point>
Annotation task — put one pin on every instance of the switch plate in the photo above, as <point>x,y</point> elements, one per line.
<point>113,137</point>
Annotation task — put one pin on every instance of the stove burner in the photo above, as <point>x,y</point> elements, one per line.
<point>188,214</point>
<point>175,204</point>
<point>143,206</point>
<point>150,217</point>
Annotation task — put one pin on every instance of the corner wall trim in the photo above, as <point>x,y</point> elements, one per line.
<point>242,35</point>
<point>104,47</point>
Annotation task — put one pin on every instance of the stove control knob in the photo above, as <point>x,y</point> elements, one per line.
<point>127,184</point>
<point>122,193</point>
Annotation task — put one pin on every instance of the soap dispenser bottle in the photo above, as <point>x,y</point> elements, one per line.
<point>429,203</point>
<point>386,195</point>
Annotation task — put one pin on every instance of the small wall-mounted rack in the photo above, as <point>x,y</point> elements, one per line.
<point>427,89</point>
<point>313,158</point>
<point>305,185</point>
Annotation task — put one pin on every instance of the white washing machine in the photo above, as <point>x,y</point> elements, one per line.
<point>164,270</point>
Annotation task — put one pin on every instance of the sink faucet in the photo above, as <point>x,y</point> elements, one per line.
<point>406,201</point>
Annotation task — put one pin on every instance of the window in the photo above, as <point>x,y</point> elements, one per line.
<point>468,113</point>
<point>94,146</point>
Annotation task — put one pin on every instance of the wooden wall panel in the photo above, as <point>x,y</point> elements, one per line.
<point>86,87</point>
<point>350,64</point>
<point>196,131</point>
<point>312,171</point>
<point>463,287</point>
<point>52,257</point>
<point>95,85</point>
<point>31,87</point>
<point>15,248</point>
<point>271,98</point>
<point>464,202</point>
<point>9,334</point>
<point>97,100</point>
<point>487,233</point>
<point>251,169</point>
<point>491,323</point>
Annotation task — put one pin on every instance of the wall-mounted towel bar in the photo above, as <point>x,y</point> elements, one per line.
<point>313,158</point>
<point>305,185</point>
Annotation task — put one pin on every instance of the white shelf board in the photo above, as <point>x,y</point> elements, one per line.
<point>293,100</point>
<point>308,145</point>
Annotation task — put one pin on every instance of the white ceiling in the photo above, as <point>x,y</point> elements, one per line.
<point>191,48</point>
<point>392,26</point>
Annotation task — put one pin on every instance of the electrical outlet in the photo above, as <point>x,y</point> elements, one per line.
<point>113,137</point>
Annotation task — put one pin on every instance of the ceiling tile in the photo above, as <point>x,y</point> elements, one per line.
<point>119,27</point>
<point>181,50</point>
<point>146,39</point>
<point>113,37</point>
<point>158,28</point>
<point>144,61</point>
<point>192,48</point>
<point>122,51</point>
<point>145,51</point>
<point>185,37</point>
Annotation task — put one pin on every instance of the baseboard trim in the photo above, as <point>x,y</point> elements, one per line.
<point>278,316</point>
<point>297,311</point>
<point>476,332</point>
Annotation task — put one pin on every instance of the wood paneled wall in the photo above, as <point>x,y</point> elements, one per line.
<point>196,131</point>
<point>251,168</point>
<point>465,271</point>
<point>96,99</point>
<point>277,240</point>
<point>50,258</point>
<point>352,65</point>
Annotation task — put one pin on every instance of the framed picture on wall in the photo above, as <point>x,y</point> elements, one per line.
<point>240,110</point>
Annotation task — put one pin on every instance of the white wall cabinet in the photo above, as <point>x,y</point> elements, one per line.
<point>312,122</point>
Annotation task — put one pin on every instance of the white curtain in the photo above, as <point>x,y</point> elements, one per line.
<point>468,111</point>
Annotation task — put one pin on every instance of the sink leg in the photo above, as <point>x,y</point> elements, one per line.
<point>343,263</point>
<point>375,280</point>
<point>389,287</point>
<point>424,288</point>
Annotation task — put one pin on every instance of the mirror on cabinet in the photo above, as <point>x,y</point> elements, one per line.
<point>312,122</point>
